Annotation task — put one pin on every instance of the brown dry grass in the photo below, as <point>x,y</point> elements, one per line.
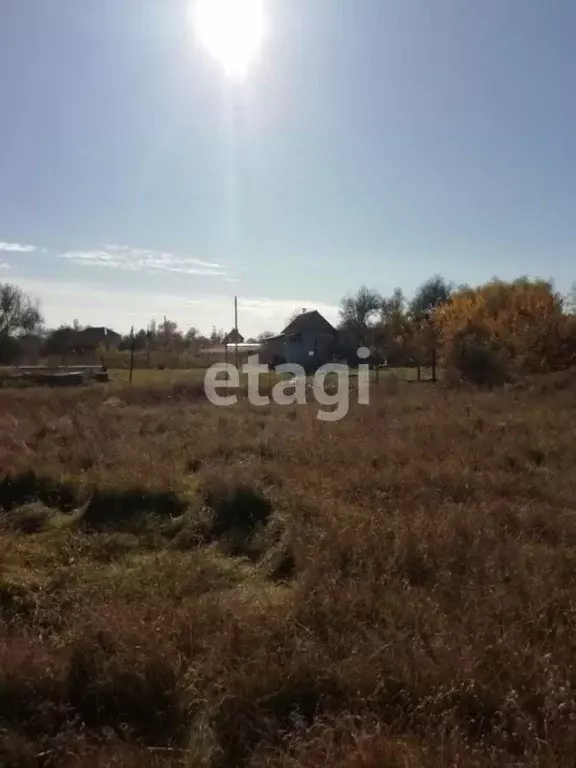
<point>187,585</point>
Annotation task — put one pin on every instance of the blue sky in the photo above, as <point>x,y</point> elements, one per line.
<point>374,142</point>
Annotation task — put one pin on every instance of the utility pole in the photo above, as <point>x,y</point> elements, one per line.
<point>236,331</point>
<point>131,354</point>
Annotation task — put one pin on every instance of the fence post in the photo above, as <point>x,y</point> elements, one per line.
<point>131,355</point>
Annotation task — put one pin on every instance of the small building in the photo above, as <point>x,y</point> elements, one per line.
<point>308,340</point>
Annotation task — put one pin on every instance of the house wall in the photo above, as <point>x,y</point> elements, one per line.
<point>310,349</point>
<point>271,350</point>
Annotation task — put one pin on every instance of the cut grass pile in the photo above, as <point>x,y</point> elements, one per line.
<point>187,585</point>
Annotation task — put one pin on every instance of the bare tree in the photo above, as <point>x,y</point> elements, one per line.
<point>359,309</point>
<point>217,335</point>
<point>167,333</point>
<point>357,314</point>
<point>18,312</point>
<point>393,331</point>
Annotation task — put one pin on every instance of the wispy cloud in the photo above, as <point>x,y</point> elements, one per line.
<point>17,248</point>
<point>3,265</point>
<point>132,259</point>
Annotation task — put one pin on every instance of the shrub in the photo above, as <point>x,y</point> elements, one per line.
<point>523,317</point>
<point>117,508</point>
<point>29,486</point>
<point>107,548</point>
<point>190,535</point>
<point>109,686</point>
<point>235,507</point>
<point>279,563</point>
<point>477,358</point>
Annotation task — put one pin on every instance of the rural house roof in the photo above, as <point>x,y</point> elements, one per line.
<point>310,322</point>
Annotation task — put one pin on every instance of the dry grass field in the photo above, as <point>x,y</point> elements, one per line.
<point>153,376</point>
<point>185,585</point>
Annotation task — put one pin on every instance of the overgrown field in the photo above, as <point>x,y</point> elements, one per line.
<point>152,376</point>
<point>185,585</point>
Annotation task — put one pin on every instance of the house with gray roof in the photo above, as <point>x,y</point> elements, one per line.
<point>308,340</point>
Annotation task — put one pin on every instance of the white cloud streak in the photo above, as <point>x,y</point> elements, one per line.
<point>17,248</point>
<point>3,265</point>
<point>131,259</point>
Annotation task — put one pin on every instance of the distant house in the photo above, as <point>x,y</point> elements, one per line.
<point>89,339</point>
<point>234,337</point>
<point>309,340</point>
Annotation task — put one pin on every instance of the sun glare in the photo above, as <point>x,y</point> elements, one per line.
<point>232,31</point>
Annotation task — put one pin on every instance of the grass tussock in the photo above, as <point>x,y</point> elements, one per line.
<point>182,585</point>
<point>114,509</point>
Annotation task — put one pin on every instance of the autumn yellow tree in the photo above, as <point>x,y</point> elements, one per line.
<point>522,321</point>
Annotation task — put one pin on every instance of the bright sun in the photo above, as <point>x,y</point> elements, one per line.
<point>232,31</point>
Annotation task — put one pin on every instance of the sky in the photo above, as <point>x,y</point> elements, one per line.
<point>374,142</point>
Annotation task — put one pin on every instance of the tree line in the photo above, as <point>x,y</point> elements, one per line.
<point>481,333</point>
<point>23,333</point>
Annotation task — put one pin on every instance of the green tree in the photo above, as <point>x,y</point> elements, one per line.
<point>429,296</point>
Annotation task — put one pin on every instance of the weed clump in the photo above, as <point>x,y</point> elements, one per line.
<point>111,687</point>
<point>30,518</point>
<point>116,509</point>
<point>238,512</point>
<point>16,601</point>
<point>27,487</point>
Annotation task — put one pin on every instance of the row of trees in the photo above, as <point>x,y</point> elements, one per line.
<point>168,337</point>
<point>483,333</point>
<point>397,330</point>
<point>23,334</point>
